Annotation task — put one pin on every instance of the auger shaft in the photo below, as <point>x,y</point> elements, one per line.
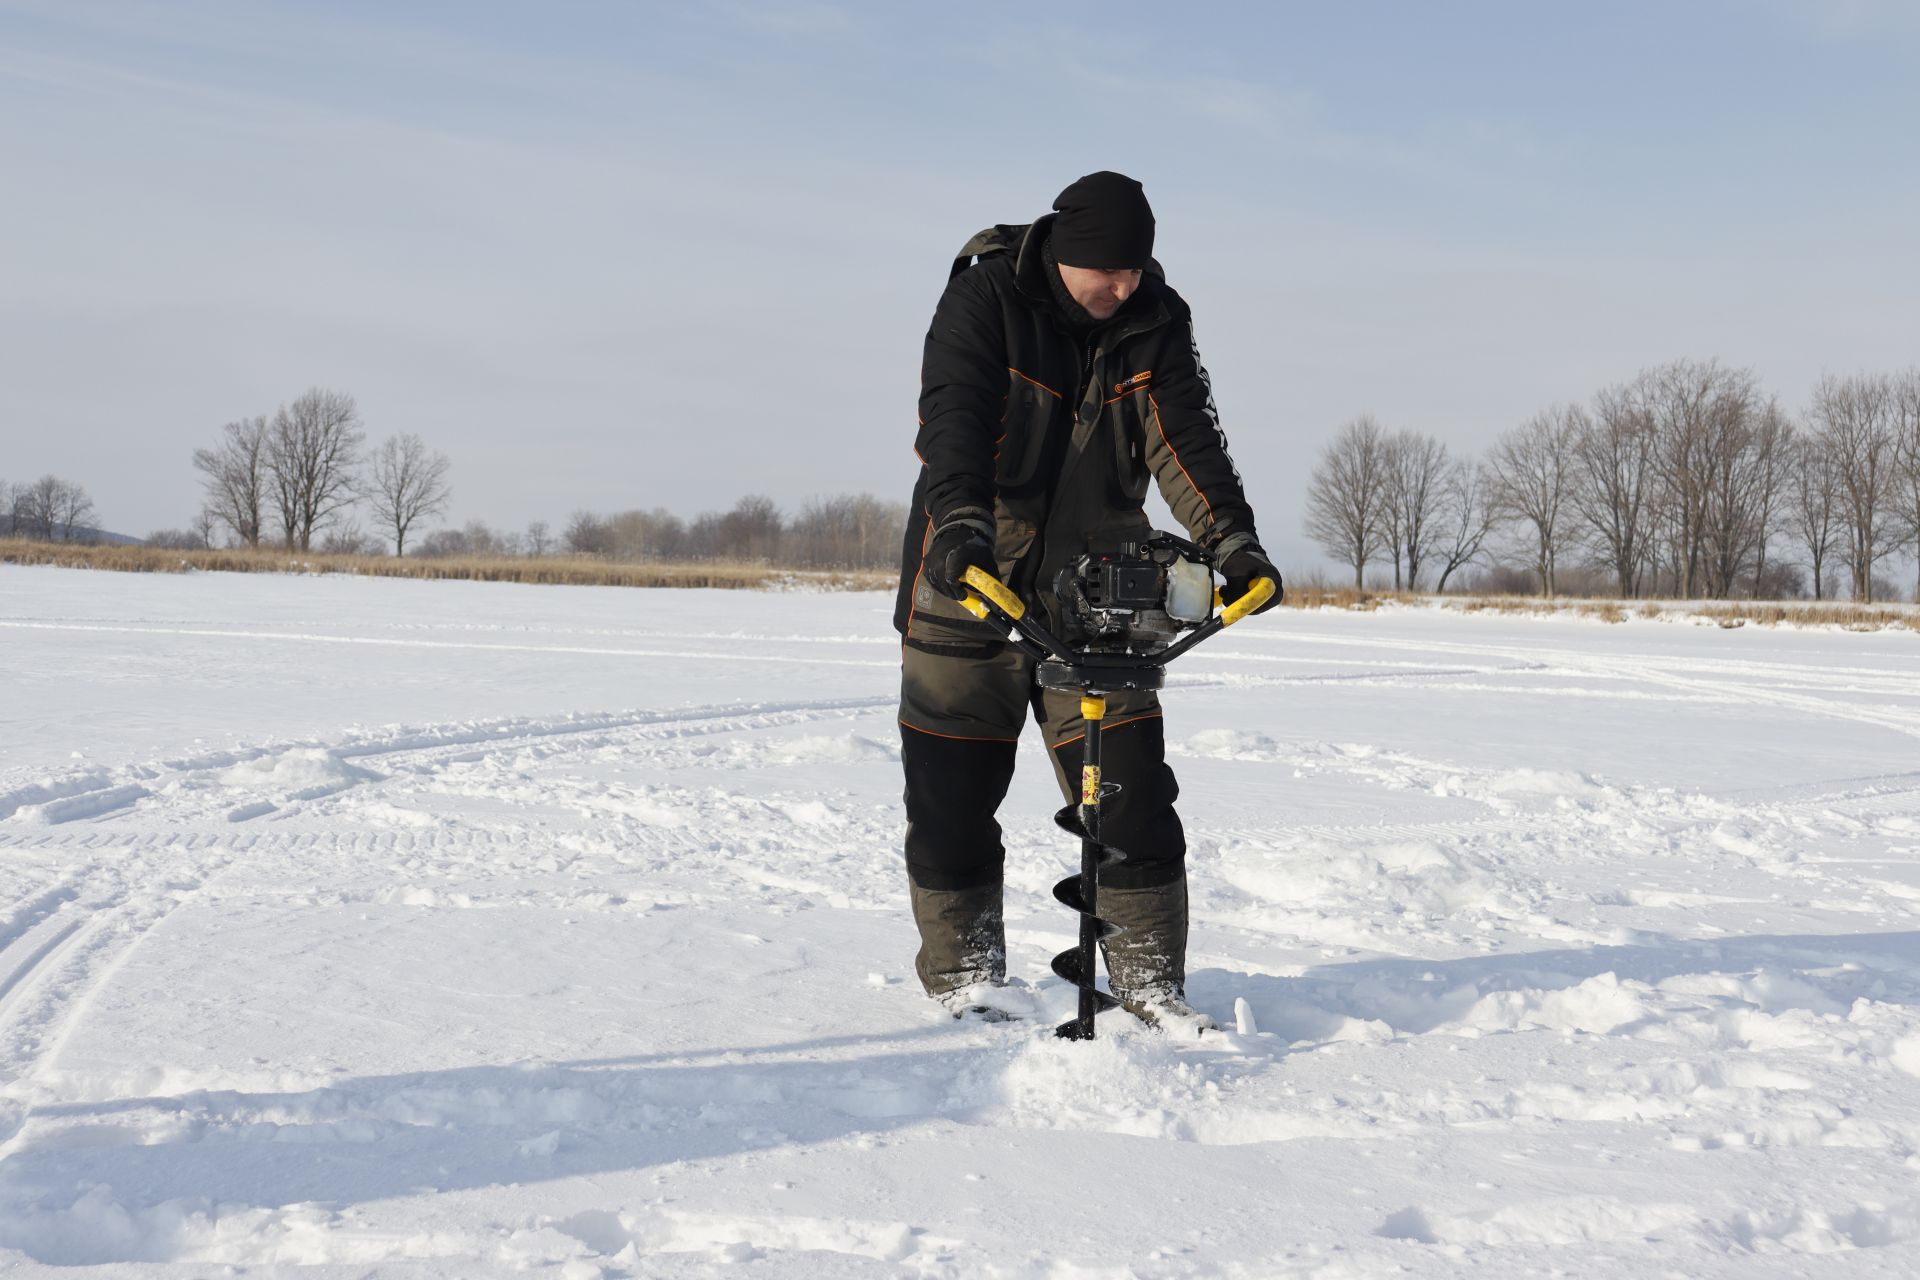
<point>1081,966</point>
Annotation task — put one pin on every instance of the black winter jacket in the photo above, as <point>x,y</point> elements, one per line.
<point>1003,376</point>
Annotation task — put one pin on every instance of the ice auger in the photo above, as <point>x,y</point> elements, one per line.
<point>1128,610</point>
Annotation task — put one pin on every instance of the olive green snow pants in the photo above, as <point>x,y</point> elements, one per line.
<point>960,720</point>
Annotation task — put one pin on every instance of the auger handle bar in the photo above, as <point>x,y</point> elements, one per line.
<point>994,596</point>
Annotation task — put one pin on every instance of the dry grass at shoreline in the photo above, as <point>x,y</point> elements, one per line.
<point>1726,614</point>
<point>566,571</point>
<point>1306,593</point>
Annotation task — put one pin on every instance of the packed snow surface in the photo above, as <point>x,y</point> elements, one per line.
<point>447,929</point>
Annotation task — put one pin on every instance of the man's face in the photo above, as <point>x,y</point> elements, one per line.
<point>1100,292</point>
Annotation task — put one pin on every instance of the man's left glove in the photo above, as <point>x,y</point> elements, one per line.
<point>957,546</point>
<point>1241,568</point>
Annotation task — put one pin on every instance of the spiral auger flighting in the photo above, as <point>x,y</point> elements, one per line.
<point>1075,964</point>
<point>1081,892</point>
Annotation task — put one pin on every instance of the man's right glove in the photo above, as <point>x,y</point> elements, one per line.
<point>1241,568</point>
<point>957,546</point>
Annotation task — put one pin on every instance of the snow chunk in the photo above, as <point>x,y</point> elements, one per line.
<point>1565,1221</point>
<point>1545,782</point>
<point>296,770</point>
<point>1232,744</point>
<point>1601,1005</point>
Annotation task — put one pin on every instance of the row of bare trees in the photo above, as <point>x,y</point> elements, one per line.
<point>1400,496</point>
<point>49,509</point>
<point>1686,480</point>
<point>844,532</point>
<point>288,477</point>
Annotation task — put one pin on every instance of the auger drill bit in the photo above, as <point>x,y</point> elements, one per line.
<point>1081,892</point>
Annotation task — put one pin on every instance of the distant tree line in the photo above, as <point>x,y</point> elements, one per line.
<point>49,509</point>
<point>1687,480</point>
<point>843,532</point>
<point>302,477</point>
<point>299,478</point>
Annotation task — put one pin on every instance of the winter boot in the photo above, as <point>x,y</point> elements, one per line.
<point>1147,958</point>
<point>963,946</point>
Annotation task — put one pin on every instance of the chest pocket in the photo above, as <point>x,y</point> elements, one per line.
<point>1130,419</point>
<point>1033,411</point>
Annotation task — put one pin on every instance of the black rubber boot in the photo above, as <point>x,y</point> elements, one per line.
<point>963,943</point>
<point>1147,958</point>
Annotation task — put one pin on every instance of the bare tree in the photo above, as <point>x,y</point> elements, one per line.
<point>649,535</point>
<point>1615,482</point>
<point>1465,518</point>
<point>539,540</point>
<point>32,508</point>
<point>1813,505</point>
<point>1346,495</point>
<point>1771,478</point>
<point>197,536</point>
<point>52,510</point>
<point>1736,483</point>
<point>1684,398</point>
<point>1854,419</point>
<point>405,485</point>
<point>1415,467</point>
<point>203,527</point>
<point>349,539</point>
<point>1906,435</point>
<point>750,531</point>
<point>235,472</point>
<point>74,514</point>
<point>588,535</point>
<point>1532,472</point>
<point>313,457</point>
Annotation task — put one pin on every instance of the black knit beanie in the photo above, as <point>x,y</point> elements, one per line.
<point>1104,222</point>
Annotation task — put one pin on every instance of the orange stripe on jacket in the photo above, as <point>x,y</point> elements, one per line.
<point>1035,381</point>
<point>1162,427</point>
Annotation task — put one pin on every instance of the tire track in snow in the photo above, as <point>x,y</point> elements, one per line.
<point>1907,723</point>
<point>1765,683</point>
<point>397,642</point>
<point>64,948</point>
<point>54,801</point>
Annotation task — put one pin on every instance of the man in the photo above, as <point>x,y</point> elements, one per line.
<point>1060,373</point>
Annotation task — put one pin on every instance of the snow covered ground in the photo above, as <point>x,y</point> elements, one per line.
<point>400,928</point>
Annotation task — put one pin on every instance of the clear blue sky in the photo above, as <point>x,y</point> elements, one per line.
<point>613,255</point>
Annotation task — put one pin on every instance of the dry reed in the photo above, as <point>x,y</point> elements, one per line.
<point>564,570</point>
<point>1305,593</point>
<point>1851,617</point>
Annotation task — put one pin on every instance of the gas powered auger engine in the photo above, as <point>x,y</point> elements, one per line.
<point>1126,614</point>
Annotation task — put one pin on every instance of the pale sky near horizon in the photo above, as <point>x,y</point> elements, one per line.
<point>627,255</point>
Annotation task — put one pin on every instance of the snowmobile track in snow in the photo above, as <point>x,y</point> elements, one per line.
<point>61,947</point>
<point>55,802</point>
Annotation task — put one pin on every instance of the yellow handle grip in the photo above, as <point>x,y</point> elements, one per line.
<point>993,589</point>
<point>1258,593</point>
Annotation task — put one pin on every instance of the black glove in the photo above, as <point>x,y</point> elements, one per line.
<point>1241,568</point>
<point>957,546</point>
